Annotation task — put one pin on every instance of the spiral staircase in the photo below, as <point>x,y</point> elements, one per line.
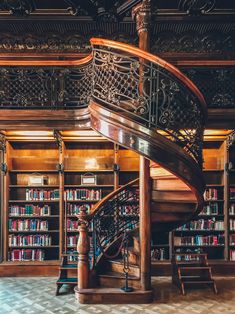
<point>145,104</point>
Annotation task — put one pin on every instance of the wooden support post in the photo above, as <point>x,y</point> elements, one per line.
<point>83,248</point>
<point>142,14</point>
<point>145,225</point>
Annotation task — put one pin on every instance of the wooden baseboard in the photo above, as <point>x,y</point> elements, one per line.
<point>51,268</point>
<point>29,269</point>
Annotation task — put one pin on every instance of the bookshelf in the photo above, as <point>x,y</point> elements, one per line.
<point>231,201</point>
<point>32,209</point>
<point>40,220</point>
<point>207,233</point>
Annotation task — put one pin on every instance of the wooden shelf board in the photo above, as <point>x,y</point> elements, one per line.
<point>34,186</point>
<point>88,186</point>
<point>159,245</point>
<point>82,201</point>
<point>34,247</point>
<point>88,170</point>
<point>209,216</point>
<point>211,185</point>
<point>34,216</point>
<point>206,201</point>
<point>34,231</point>
<point>25,201</point>
<point>205,246</point>
<point>33,171</point>
<point>199,230</point>
<point>213,170</point>
<point>34,263</point>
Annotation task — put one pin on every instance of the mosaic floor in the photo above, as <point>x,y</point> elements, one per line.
<point>37,295</point>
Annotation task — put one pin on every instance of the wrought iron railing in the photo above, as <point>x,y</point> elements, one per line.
<point>45,87</point>
<point>112,218</point>
<point>150,91</point>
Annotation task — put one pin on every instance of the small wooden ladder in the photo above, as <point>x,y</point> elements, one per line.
<point>67,271</point>
<point>192,269</point>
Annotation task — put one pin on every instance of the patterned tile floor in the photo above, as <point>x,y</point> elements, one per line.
<point>37,296</point>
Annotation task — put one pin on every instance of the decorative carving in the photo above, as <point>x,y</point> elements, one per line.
<point>230,140</point>
<point>58,139</point>
<point>75,9</point>
<point>142,15</point>
<point>189,42</point>
<point>216,83</point>
<point>104,16</point>
<point>55,42</point>
<point>196,6</point>
<point>18,7</point>
<point>2,143</point>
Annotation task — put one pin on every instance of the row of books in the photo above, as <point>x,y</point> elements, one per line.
<point>28,225</point>
<point>232,239</point>
<point>72,225</point>
<point>232,209</point>
<point>232,193</point>
<point>232,224</point>
<point>129,210</point>
<point>72,240</point>
<point>26,255</point>
<point>30,240</point>
<point>210,209</point>
<point>74,209</point>
<point>200,240</point>
<point>203,224</point>
<point>232,255</point>
<point>159,254</point>
<point>41,194</point>
<point>29,210</point>
<point>83,194</point>
<point>211,194</point>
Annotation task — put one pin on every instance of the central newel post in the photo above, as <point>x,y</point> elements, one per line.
<point>83,248</point>
<point>142,15</point>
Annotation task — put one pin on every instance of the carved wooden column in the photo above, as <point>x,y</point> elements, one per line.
<point>142,15</point>
<point>83,248</point>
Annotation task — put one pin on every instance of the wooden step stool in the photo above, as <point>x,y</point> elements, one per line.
<point>191,269</point>
<point>67,271</point>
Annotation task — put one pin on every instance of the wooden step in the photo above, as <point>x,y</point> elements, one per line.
<point>117,280</point>
<point>69,280</point>
<point>108,296</point>
<point>166,184</point>
<point>117,266</point>
<point>173,195</point>
<point>196,279</point>
<point>172,207</point>
<point>69,266</point>
<point>134,256</point>
<point>194,267</point>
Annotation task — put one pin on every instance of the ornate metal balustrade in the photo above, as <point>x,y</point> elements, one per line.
<point>23,87</point>
<point>150,91</point>
<point>112,219</point>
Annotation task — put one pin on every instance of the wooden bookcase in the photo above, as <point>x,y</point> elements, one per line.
<point>231,201</point>
<point>208,233</point>
<point>43,226</point>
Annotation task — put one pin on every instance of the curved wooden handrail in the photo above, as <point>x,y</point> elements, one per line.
<point>151,58</point>
<point>109,196</point>
<point>79,62</point>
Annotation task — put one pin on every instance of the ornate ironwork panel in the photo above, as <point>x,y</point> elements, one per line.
<point>45,87</point>
<point>150,95</point>
<point>216,83</point>
<point>118,215</point>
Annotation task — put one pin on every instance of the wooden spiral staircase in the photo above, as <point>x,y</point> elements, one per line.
<point>145,104</point>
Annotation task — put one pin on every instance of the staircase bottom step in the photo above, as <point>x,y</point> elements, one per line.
<point>71,280</point>
<point>112,295</point>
